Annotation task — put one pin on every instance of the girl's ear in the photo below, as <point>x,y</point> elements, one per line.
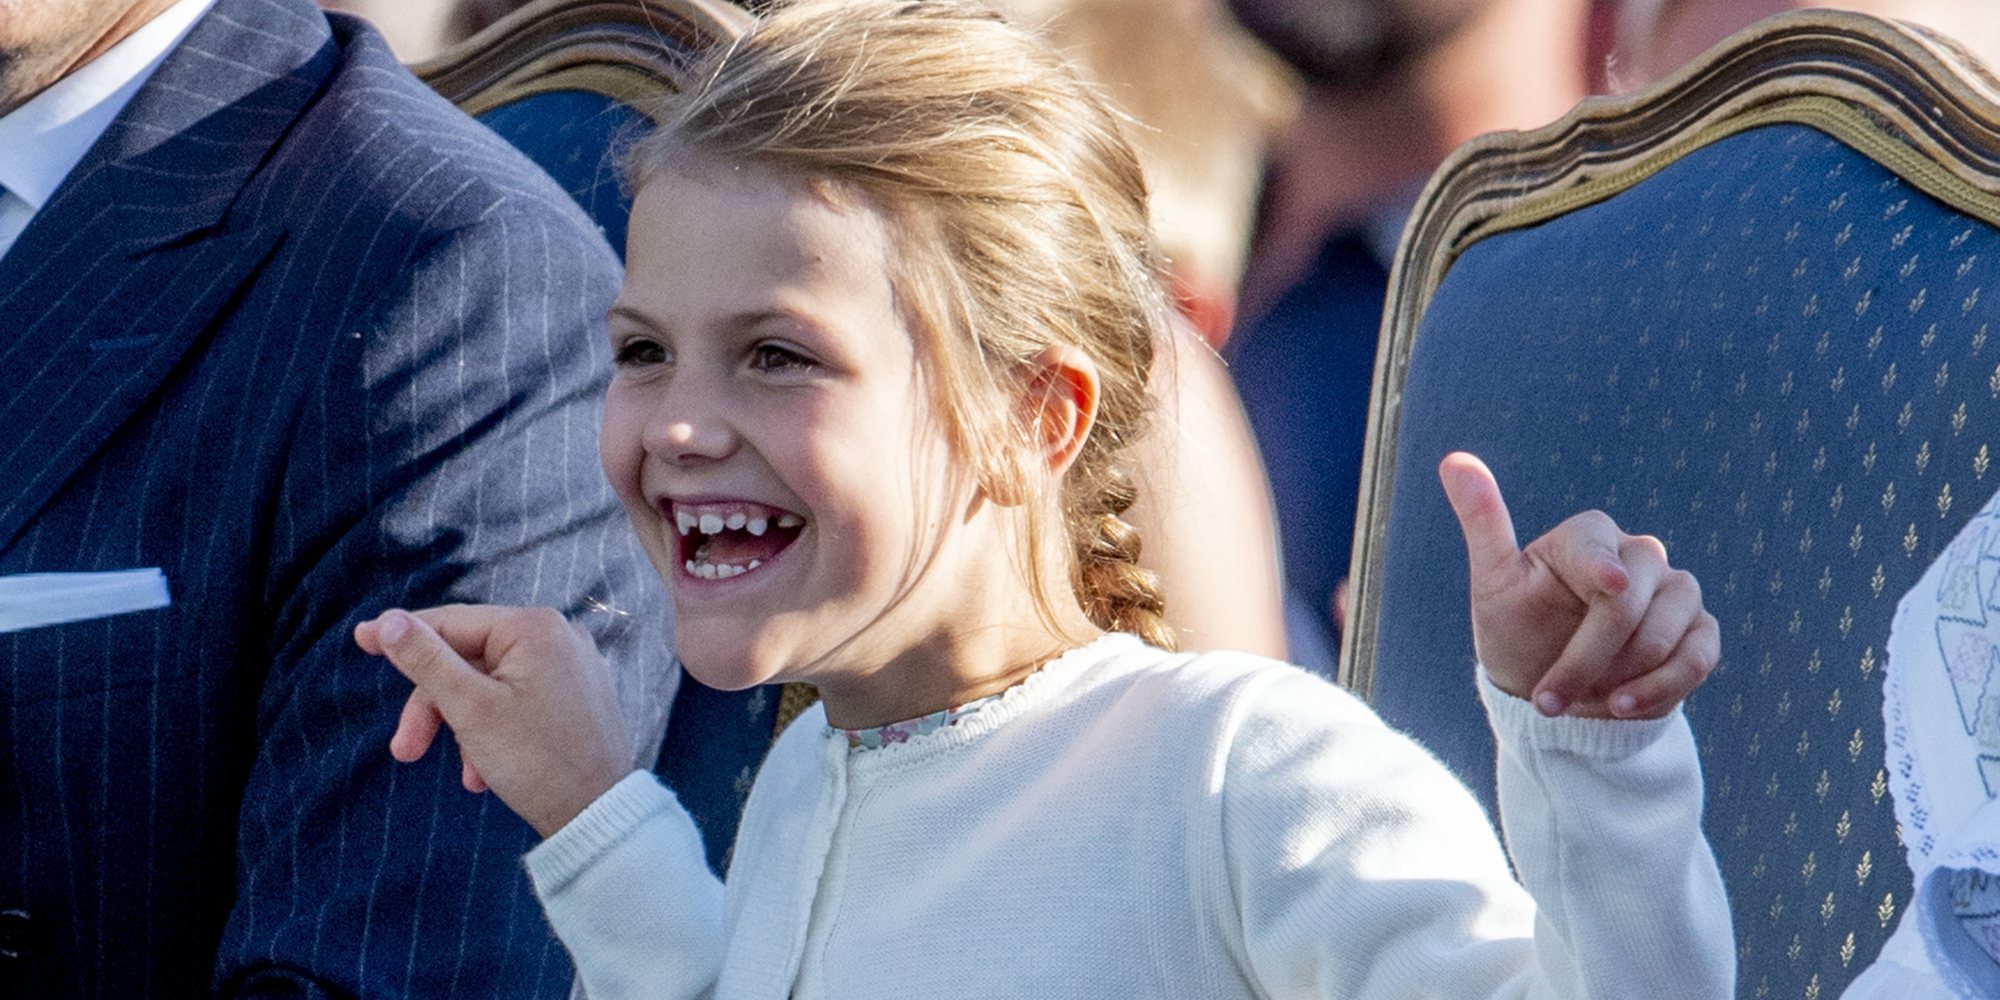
<point>1062,392</point>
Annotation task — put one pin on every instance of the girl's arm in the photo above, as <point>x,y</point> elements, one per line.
<point>1355,865</point>
<point>1361,868</point>
<point>1600,785</point>
<point>627,888</point>
<point>621,875</point>
<point>1603,823</point>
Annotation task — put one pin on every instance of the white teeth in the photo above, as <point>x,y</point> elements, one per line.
<point>719,571</point>
<point>710,524</point>
<point>758,525</point>
<point>736,521</point>
<point>684,521</point>
<point>790,520</point>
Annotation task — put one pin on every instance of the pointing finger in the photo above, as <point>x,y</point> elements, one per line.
<point>416,649</point>
<point>484,633</point>
<point>1482,515</point>
<point>365,637</point>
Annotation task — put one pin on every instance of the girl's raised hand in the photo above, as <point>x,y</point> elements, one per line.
<point>531,702</point>
<point>1587,620</point>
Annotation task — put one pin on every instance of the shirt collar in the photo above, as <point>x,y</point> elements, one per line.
<point>43,140</point>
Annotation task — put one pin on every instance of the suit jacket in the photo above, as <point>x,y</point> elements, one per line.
<point>314,343</point>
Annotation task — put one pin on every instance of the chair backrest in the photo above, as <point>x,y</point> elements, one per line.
<point>570,83</point>
<point>1746,312</point>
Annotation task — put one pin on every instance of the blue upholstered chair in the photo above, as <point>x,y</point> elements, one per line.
<point>1756,312</point>
<point>567,82</point>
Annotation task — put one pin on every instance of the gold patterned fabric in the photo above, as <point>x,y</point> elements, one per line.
<point>1776,354</point>
<point>792,700</point>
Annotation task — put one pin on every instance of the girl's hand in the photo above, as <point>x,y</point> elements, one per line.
<point>531,702</point>
<point>1587,620</point>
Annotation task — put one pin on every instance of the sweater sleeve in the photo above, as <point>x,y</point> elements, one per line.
<point>1603,820</point>
<point>1359,867</point>
<point>627,889</point>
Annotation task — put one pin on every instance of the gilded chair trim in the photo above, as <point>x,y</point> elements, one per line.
<point>1907,99</point>
<point>1825,114</point>
<point>623,84</point>
<point>631,51</point>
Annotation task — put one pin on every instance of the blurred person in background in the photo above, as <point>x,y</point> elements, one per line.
<point>1207,99</point>
<point>1657,37</point>
<point>419,29</point>
<point>1389,88</point>
<point>414,29</point>
<point>1204,99</point>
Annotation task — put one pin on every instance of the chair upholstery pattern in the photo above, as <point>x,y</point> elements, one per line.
<point>1750,314</point>
<point>570,83</point>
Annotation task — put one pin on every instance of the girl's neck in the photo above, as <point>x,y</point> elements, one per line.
<point>969,626</point>
<point>949,668</point>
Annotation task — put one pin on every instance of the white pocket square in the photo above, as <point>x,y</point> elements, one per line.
<point>29,600</point>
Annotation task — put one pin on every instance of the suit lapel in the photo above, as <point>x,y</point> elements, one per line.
<point>145,244</point>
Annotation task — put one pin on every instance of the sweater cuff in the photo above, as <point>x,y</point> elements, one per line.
<point>601,826</point>
<point>1516,721</point>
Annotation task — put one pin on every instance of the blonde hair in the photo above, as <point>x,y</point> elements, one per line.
<point>1209,99</point>
<point>1018,212</point>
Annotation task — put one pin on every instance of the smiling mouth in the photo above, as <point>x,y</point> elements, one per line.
<point>726,539</point>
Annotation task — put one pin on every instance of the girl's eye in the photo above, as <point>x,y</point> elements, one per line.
<point>774,358</point>
<point>636,352</point>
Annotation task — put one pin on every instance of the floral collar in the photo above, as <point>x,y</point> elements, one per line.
<point>902,732</point>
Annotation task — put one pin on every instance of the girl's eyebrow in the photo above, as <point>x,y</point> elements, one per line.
<point>621,311</point>
<point>740,321</point>
<point>758,317</point>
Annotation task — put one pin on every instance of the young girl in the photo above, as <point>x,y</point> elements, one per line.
<point>890,312</point>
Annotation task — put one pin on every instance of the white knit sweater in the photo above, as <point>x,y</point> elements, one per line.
<point>1134,823</point>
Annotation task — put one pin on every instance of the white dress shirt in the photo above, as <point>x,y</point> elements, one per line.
<point>42,141</point>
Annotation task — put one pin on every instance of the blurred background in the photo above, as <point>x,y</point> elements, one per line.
<point>1286,142</point>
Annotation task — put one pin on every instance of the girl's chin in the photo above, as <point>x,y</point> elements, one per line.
<point>727,667</point>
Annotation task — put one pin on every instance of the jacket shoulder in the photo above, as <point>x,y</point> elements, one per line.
<point>379,155</point>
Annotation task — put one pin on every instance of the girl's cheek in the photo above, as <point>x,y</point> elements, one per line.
<point>620,455</point>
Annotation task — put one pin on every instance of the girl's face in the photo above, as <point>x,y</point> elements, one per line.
<point>768,434</point>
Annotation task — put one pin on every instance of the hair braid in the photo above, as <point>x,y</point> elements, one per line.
<point>1117,593</point>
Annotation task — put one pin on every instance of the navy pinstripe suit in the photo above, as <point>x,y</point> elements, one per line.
<point>306,338</point>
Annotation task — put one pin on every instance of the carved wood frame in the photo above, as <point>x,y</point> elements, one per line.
<point>1905,97</point>
<point>632,51</point>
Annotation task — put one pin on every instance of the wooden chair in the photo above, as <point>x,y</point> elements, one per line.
<point>1747,311</point>
<point>570,83</point>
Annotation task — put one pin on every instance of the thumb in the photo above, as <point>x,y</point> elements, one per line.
<point>1482,515</point>
<point>421,655</point>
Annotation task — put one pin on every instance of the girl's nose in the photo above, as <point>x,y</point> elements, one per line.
<point>678,435</point>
